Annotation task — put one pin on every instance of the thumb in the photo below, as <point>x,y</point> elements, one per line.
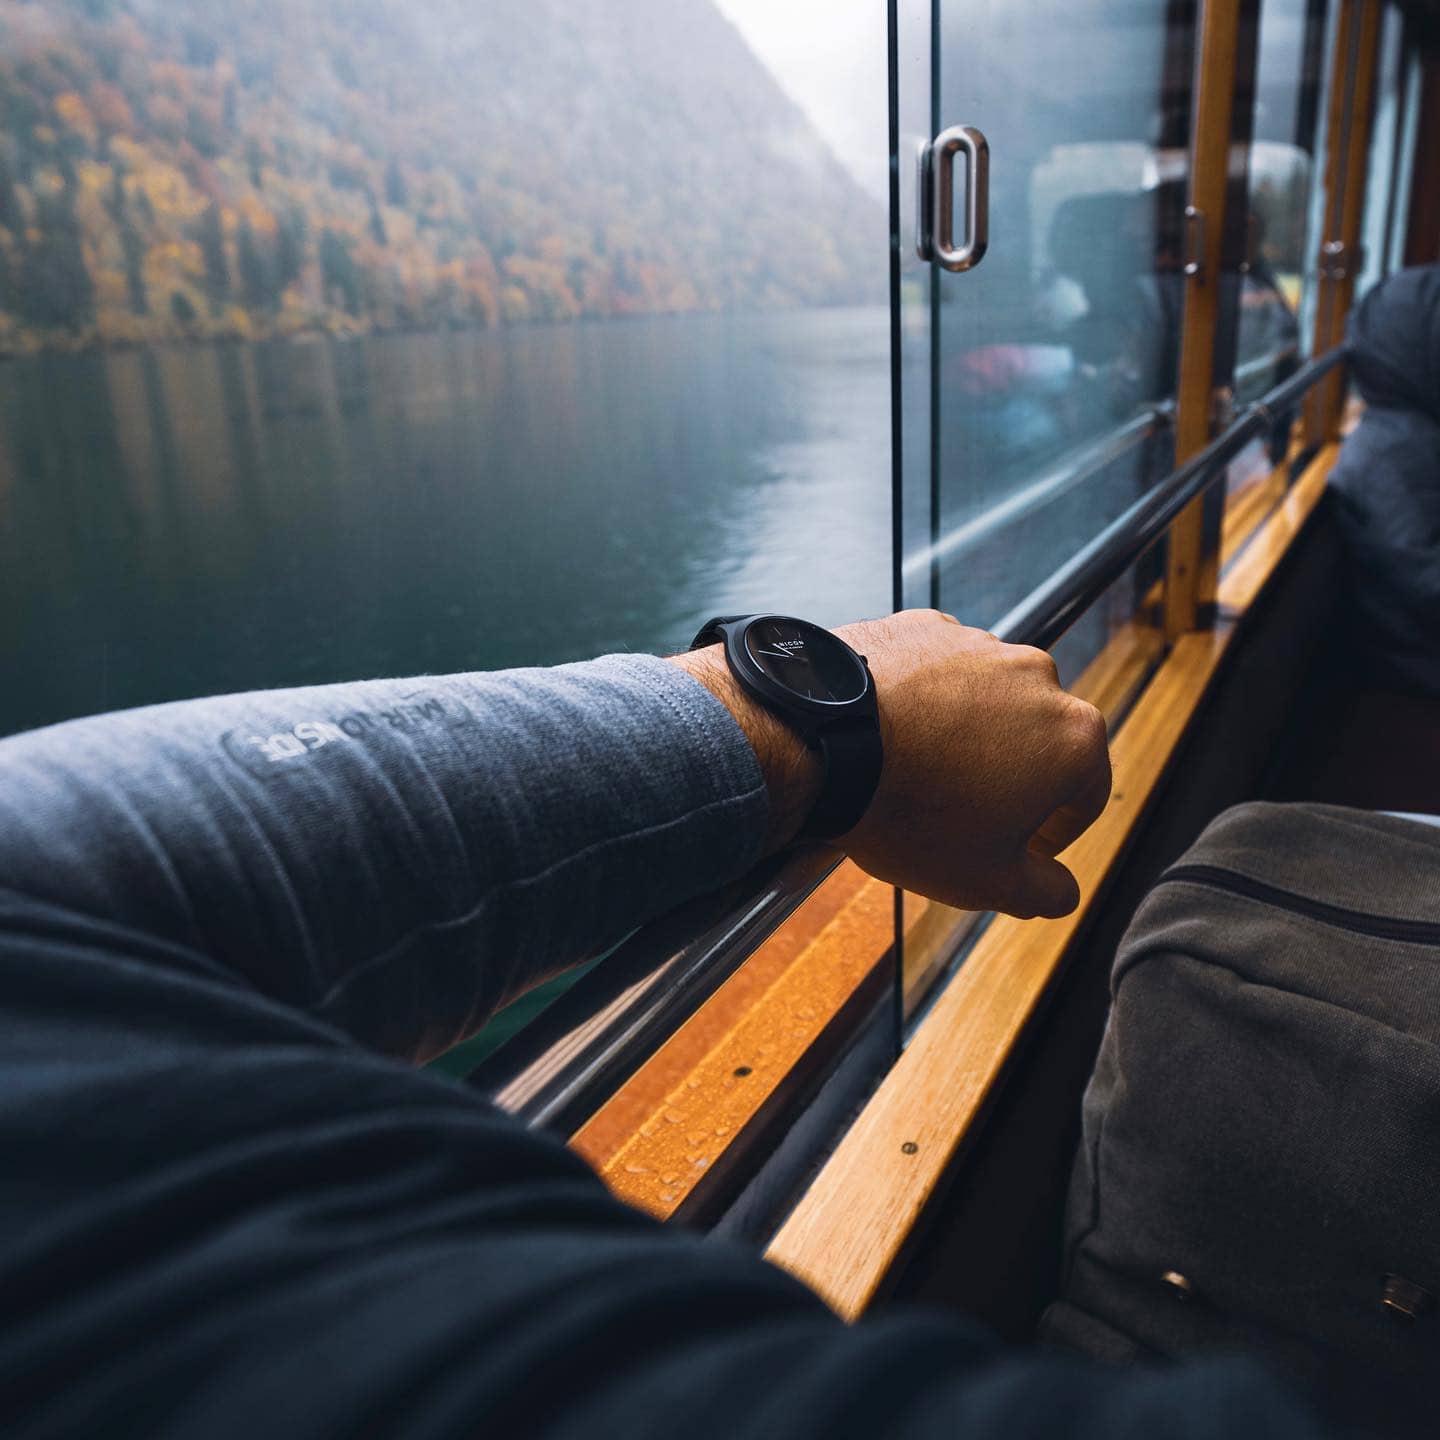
<point>1044,887</point>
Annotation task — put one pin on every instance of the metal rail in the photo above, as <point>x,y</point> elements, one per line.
<point>1050,609</point>
<point>1263,364</point>
<point>557,1071</point>
<point>1072,471</point>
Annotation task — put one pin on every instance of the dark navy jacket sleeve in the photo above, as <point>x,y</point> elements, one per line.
<point>230,1206</point>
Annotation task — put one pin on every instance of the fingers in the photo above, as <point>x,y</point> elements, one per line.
<point>1044,887</point>
<point>1090,794</point>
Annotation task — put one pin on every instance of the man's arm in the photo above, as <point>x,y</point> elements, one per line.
<point>396,858</point>
<point>400,858</point>
<point>990,767</point>
<point>223,1217</point>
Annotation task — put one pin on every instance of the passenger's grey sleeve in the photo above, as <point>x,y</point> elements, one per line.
<point>398,857</point>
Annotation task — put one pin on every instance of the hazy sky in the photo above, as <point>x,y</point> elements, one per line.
<point>829,57</point>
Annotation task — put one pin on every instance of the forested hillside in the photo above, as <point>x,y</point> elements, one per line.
<point>177,169</point>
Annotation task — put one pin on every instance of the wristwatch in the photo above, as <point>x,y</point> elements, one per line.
<point>822,689</point>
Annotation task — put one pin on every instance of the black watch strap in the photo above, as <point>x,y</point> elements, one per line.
<point>849,747</point>
<point>711,632</point>
<point>852,759</point>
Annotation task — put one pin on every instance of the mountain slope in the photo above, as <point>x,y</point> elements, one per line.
<point>176,168</point>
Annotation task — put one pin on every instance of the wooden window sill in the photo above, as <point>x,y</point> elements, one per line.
<point>848,1228</point>
<point>663,1130</point>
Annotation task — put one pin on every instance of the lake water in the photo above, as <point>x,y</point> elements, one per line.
<point>188,521</point>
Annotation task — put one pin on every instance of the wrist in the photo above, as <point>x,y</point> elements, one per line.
<point>793,771</point>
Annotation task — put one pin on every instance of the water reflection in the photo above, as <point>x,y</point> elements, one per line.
<point>190,521</point>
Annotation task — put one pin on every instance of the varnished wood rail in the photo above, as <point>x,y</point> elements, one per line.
<point>850,1226</point>
<point>662,1132</point>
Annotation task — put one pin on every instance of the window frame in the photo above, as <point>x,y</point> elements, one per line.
<point>817,927</point>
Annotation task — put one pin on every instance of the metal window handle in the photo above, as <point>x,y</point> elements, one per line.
<point>940,165</point>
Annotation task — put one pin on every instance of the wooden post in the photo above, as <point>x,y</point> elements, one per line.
<point>1227,45</point>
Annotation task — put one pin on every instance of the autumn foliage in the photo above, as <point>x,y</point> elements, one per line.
<point>187,169</point>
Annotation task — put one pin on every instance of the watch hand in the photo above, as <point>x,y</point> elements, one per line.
<point>780,654</point>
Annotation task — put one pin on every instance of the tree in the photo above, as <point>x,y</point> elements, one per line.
<point>206,129</point>
<point>182,309</point>
<point>133,248</point>
<point>289,250</point>
<point>131,245</point>
<point>377,223</point>
<point>339,272</point>
<point>11,216</point>
<point>55,288</point>
<point>396,191</point>
<point>112,111</point>
<point>211,236</point>
<point>256,281</point>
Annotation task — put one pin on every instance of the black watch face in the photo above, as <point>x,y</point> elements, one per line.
<point>806,659</point>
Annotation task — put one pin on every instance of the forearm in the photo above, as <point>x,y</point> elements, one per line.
<point>397,857</point>
<point>792,770</point>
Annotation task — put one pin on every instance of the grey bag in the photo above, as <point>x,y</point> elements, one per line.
<point>1260,1161</point>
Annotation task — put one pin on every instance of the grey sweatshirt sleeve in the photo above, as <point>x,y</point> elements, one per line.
<point>396,857</point>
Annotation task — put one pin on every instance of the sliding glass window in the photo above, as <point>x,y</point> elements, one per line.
<point>1392,140</point>
<point>1054,359</point>
<point>1285,176</point>
<point>335,347</point>
<point>1285,204</point>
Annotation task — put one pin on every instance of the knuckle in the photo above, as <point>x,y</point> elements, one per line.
<point>943,617</point>
<point>1085,730</point>
<point>1040,661</point>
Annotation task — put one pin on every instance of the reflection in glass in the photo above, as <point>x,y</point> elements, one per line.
<point>1284,173</point>
<point>1052,362</point>
<point>1387,159</point>
<point>1051,357</point>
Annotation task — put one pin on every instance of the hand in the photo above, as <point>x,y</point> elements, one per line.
<point>991,768</point>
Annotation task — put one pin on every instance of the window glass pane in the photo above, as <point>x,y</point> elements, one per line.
<point>1255,483</point>
<point>1285,176</point>
<point>1106,658</point>
<point>1052,353</point>
<point>1398,223</point>
<point>1382,172</point>
<point>431,337</point>
<point>915,125</point>
<point>342,340</point>
<point>1051,361</point>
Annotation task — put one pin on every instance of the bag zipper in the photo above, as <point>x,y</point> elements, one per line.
<point>1383,927</point>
